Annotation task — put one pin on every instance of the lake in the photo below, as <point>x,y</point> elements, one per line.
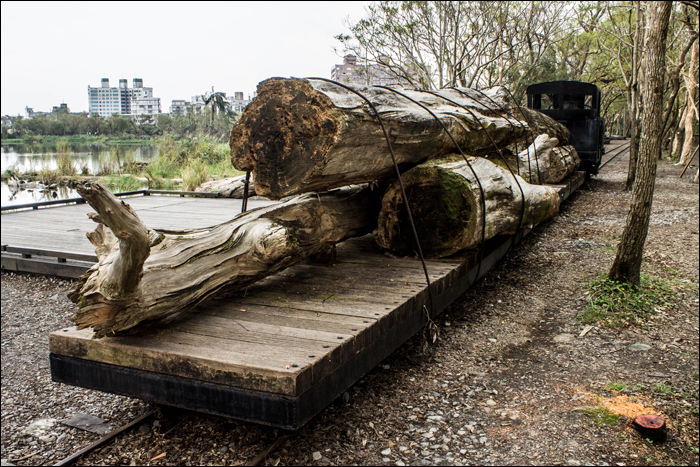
<point>37,157</point>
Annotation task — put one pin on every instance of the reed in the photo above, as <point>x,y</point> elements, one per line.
<point>64,160</point>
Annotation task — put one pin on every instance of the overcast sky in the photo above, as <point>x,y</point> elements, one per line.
<point>52,51</point>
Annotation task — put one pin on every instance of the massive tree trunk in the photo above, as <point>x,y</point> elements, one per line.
<point>145,276</point>
<point>445,200</point>
<point>300,135</point>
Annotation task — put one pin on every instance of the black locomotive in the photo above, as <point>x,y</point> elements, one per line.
<point>576,105</point>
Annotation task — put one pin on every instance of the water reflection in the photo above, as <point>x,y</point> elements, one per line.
<point>35,158</point>
<point>88,159</point>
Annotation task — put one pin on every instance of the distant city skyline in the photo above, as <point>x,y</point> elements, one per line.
<point>52,51</point>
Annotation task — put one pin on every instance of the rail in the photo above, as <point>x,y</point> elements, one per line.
<point>70,201</point>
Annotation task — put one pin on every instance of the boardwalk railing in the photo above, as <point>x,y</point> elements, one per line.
<point>70,201</point>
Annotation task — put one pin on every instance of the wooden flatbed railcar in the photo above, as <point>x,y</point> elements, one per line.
<point>280,351</point>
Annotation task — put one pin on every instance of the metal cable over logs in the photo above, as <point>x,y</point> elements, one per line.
<point>502,115</point>
<point>481,188</point>
<point>500,154</point>
<point>403,190</point>
<point>529,124</point>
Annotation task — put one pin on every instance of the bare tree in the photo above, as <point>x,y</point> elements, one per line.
<point>691,113</point>
<point>433,45</point>
<point>628,261</point>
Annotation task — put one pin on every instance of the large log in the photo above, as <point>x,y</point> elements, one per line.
<point>145,276</point>
<point>544,161</point>
<point>233,187</point>
<point>445,201</point>
<point>300,136</point>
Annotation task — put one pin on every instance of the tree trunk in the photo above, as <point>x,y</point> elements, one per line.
<point>144,276</point>
<point>299,136</point>
<point>678,137</point>
<point>628,260</point>
<point>445,200</point>
<point>691,84</point>
<point>634,108</point>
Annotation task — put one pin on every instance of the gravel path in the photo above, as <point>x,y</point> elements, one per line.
<point>509,381</point>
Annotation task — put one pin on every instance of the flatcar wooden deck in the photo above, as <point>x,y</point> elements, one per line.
<point>281,350</point>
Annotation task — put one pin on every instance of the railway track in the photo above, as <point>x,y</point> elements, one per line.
<point>621,149</point>
<point>257,460</point>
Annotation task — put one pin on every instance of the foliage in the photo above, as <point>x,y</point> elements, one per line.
<point>617,304</point>
<point>434,45</point>
<point>194,174</point>
<point>215,123</point>
<point>63,159</point>
<point>122,183</point>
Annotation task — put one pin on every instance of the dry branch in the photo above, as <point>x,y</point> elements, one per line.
<point>145,276</point>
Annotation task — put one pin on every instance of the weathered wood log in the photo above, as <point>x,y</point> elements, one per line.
<point>144,276</point>
<point>300,136</point>
<point>445,201</point>
<point>544,161</point>
<point>232,187</point>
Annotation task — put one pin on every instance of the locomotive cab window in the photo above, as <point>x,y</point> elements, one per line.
<point>578,101</point>
<point>545,101</point>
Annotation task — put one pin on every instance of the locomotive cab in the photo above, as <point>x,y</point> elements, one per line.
<point>576,105</point>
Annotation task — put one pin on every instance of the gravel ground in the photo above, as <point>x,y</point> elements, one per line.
<point>509,381</point>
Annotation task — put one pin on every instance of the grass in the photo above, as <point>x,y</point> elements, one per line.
<point>599,415</point>
<point>606,248</point>
<point>64,160</point>
<point>194,174</point>
<point>610,386</point>
<point>617,305</point>
<point>122,183</point>
<point>661,388</point>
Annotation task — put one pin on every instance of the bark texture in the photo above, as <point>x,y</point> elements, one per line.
<point>145,276</point>
<point>445,200</point>
<point>628,260</point>
<point>300,136</point>
<point>229,187</point>
<point>544,161</point>
<point>691,114</point>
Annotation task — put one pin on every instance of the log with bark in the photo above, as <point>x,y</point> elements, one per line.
<point>146,276</point>
<point>445,200</point>
<point>300,135</point>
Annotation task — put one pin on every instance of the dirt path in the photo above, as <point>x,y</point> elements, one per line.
<point>510,380</point>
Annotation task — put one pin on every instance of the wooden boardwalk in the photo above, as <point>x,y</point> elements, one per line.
<point>281,350</point>
<point>52,240</point>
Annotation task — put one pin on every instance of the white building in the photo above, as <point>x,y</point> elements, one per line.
<point>178,107</point>
<point>237,101</point>
<point>138,100</point>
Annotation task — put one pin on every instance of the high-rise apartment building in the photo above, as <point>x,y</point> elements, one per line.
<point>138,100</point>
